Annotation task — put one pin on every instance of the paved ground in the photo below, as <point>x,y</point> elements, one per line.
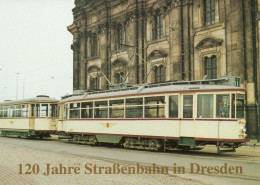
<point>41,152</point>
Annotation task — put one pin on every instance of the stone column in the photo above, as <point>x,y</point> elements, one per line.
<point>175,43</point>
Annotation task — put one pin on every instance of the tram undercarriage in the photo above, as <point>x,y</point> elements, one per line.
<point>28,134</point>
<point>148,143</point>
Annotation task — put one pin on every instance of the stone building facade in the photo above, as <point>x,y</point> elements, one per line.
<point>152,41</point>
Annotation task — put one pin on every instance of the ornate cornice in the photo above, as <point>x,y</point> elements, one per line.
<point>209,43</point>
<point>157,54</point>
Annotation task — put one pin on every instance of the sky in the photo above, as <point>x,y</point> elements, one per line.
<point>35,54</point>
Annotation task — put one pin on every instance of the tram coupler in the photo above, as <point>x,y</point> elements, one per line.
<point>250,145</point>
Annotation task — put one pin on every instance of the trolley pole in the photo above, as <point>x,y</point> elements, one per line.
<point>17,85</point>
<point>23,87</point>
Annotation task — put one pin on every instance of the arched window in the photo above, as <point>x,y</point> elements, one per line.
<point>209,12</point>
<point>94,45</point>
<point>120,77</point>
<point>211,67</point>
<point>119,37</point>
<point>94,83</point>
<point>158,25</point>
<point>159,74</point>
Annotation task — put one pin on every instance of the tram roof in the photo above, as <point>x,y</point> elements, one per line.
<point>143,90</point>
<point>41,99</point>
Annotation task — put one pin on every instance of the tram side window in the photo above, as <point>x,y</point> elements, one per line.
<point>37,110</point>
<point>53,110</point>
<point>74,110</point>
<point>11,111</point>
<point>32,109</point>
<point>1,112</point>
<point>116,109</point>
<point>101,109</point>
<point>87,110</point>
<point>173,106</point>
<point>18,111</point>
<point>25,111</point>
<point>240,106</point>
<point>44,110</point>
<point>205,106</point>
<point>6,112</point>
<point>233,106</point>
<point>222,106</point>
<point>134,108</point>
<point>65,111</point>
<point>187,106</point>
<point>155,107</point>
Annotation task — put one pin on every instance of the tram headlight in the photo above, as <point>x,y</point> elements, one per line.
<point>243,129</point>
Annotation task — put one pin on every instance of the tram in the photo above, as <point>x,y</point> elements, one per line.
<point>29,118</point>
<point>162,117</point>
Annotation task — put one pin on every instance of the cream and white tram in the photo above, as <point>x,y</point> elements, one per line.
<point>29,118</point>
<point>165,117</point>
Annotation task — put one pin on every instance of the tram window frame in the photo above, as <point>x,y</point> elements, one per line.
<point>192,105</point>
<point>117,108</point>
<point>32,110</point>
<point>237,106</point>
<point>154,106</point>
<point>173,113</point>
<point>25,111</point>
<point>233,104</point>
<point>1,112</point>
<point>87,109</point>
<point>101,111</point>
<point>37,110</point>
<point>5,110</point>
<point>74,110</point>
<point>11,111</point>
<point>65,111</point>
<point>226,105</point>
<point>134,107</point>
<point>18,111</point>
<point>44,112</point>
<point>53,110</point>
<point>200,106</point>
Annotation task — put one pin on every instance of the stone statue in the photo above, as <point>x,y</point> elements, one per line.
<point>80,3</point>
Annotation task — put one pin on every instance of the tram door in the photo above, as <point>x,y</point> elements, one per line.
<point>31,123</point>
<point>32,117</point>
<point>62,116</point>
<point>187,121</point>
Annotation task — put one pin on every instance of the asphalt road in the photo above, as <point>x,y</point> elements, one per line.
<point>246,160</point>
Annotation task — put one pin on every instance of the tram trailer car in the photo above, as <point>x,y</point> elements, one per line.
<point>158,118</point>
<point>29,118</point>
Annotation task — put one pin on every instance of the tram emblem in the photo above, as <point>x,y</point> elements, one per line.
<point>108,124</point>
<point>12,122</point>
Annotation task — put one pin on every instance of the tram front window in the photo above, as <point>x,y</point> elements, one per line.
<point>223,106</point>
<point>240,105</point>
